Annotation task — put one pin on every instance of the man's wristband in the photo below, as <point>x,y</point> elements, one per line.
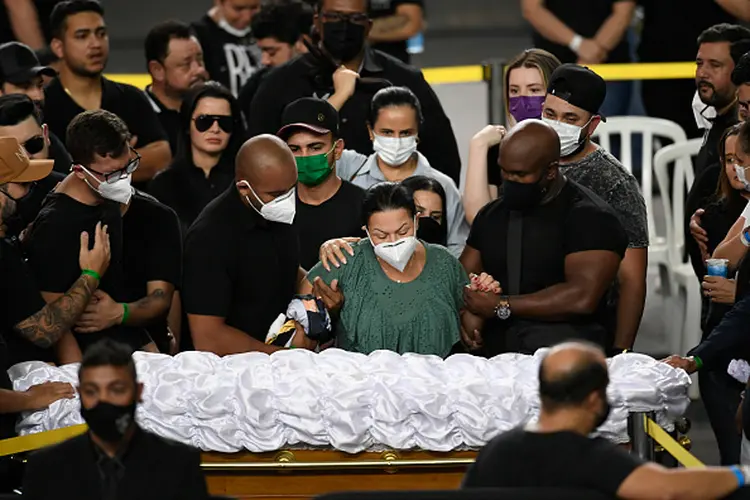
<point>93,274</point>
<point>739,474</point>
<point>698,363</point>
<point>575,43</point>
<point>125,313</point>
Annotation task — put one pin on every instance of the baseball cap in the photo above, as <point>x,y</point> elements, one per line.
<point>19,64</point>
<point>316,115</point>
<point>579,86</point>
<point>16,166</point>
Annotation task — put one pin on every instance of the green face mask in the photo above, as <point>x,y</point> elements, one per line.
<point>313,170</point>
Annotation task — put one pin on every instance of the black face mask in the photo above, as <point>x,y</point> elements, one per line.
<point>26,212</point>
<point>521,196</point>
<point>343,40</point>
<point>432,231</point>
<point>109,422</point>
<point>602,417</point>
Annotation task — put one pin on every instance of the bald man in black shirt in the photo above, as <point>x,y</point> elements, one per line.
<point>556,452</point>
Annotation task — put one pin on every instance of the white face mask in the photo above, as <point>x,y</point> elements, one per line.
<point>120,191</point>
<point>570,135</point>
<point>740,171</point>
<point>395,151</point>
<point>223,24</point>
<point>703,113</point>
<point>281,209</point>
<point>397,253</point>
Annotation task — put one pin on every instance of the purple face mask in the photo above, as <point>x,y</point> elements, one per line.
<point>526,107</point>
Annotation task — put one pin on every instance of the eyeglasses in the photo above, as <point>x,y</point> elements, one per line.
<point>34,145</point>
<point>130,167</point>
<point>335,17</point>
<point>205,122</point>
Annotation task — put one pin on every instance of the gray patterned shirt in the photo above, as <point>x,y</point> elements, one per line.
<point>603,174</point>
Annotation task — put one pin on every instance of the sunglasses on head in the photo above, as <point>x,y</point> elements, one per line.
<point>34,145</point>
<point>205,122</point>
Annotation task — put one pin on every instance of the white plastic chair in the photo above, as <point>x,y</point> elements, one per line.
<point>651,129</point>
<point>684,305</point>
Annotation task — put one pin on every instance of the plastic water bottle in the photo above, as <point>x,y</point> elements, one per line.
<point>415,44</point>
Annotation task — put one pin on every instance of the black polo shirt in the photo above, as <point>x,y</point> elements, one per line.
<point>168,118</point>
<point>585,18</point>
<point>186,189</point>
<point>337,217</point>
<point>53,246</point>
<point>238,266</point>
<point>229,59</point>
<point>124,100</point>
<point>152,250</point>
<point>303,77</point>
<point>387,8</point>
<point>21,299</point>
<point>576,220</point>
<point>57,152</point>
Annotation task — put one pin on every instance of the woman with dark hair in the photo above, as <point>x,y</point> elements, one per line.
<point>204,166</point>
<point>429,198</point>
<point>394,123</point>
<point>400,293</point>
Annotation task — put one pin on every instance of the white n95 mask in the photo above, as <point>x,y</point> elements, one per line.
<point>395,151</point>
<point>570,135</point>
<point>281,209</point>
<point>396,253</point>
<point>740,171</point>
<point>120,191</point>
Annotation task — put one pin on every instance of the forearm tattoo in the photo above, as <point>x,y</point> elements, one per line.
<point>45,327</point>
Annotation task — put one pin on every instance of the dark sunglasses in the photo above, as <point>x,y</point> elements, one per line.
<point>205,122</point>
<point>123,172</point>
<point>34,145</point>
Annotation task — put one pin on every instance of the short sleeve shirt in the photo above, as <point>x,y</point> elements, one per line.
<point>608,179</point>
<point>238,266</point>
<point>21,299</point>
<point>386,8</point>
<point>126,101</point>
<point>522,459</point>
<point>53,247</point>
<point>337,217</point>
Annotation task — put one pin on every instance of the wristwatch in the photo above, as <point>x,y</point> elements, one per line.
<point>502,310</point>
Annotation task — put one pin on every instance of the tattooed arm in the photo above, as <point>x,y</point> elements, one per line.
<point>104,312</point>
<point>404,24</point>
<point>47,326</point>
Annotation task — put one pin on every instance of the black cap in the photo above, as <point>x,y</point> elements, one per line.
<point>316,115</point>
<point>578,86</point>
<point>19,64</point>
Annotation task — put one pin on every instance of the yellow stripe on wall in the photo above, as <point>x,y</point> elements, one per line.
<point>472,74</point>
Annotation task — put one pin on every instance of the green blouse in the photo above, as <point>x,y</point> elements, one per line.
<point>421,316</point>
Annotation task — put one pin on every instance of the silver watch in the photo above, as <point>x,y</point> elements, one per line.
<point>502,310</point>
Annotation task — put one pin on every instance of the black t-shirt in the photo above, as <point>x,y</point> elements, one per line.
<point>57,152</point>
<point>663,39</point>
<point>709,152</point>
<point>585,17</point>
<point>152,250</point>
<point>521,459</point>
<point>31,204</point>
<point>124,100</point>
<point>337,217</point>
<point>43,8</point>
<point>169,119</point>
<point>229,59</point>
<point>53,246</point>
<point>21,299</point>
<point>386,8</point>
<point>306,77</point>
<point>238,266</point>
<point>576,220</point>
<point>248,91</point>
<point>185,188</point>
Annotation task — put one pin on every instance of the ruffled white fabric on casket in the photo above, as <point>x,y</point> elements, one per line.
<point>351,402</point>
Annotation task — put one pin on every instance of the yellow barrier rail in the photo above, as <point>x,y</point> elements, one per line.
<point>472,74</point>
<point>31,442</point>
<point>671,446</point>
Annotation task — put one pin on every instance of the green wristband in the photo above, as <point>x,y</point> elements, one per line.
<point>125,313</point>
<point>93,274</point>
<point>698,363</point>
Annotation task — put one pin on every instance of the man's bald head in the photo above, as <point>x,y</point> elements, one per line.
<point>267,164</point>
<point>569,373</point>
<point>530,147</point>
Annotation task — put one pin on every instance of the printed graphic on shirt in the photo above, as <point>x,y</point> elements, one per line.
<point>240,65</point>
